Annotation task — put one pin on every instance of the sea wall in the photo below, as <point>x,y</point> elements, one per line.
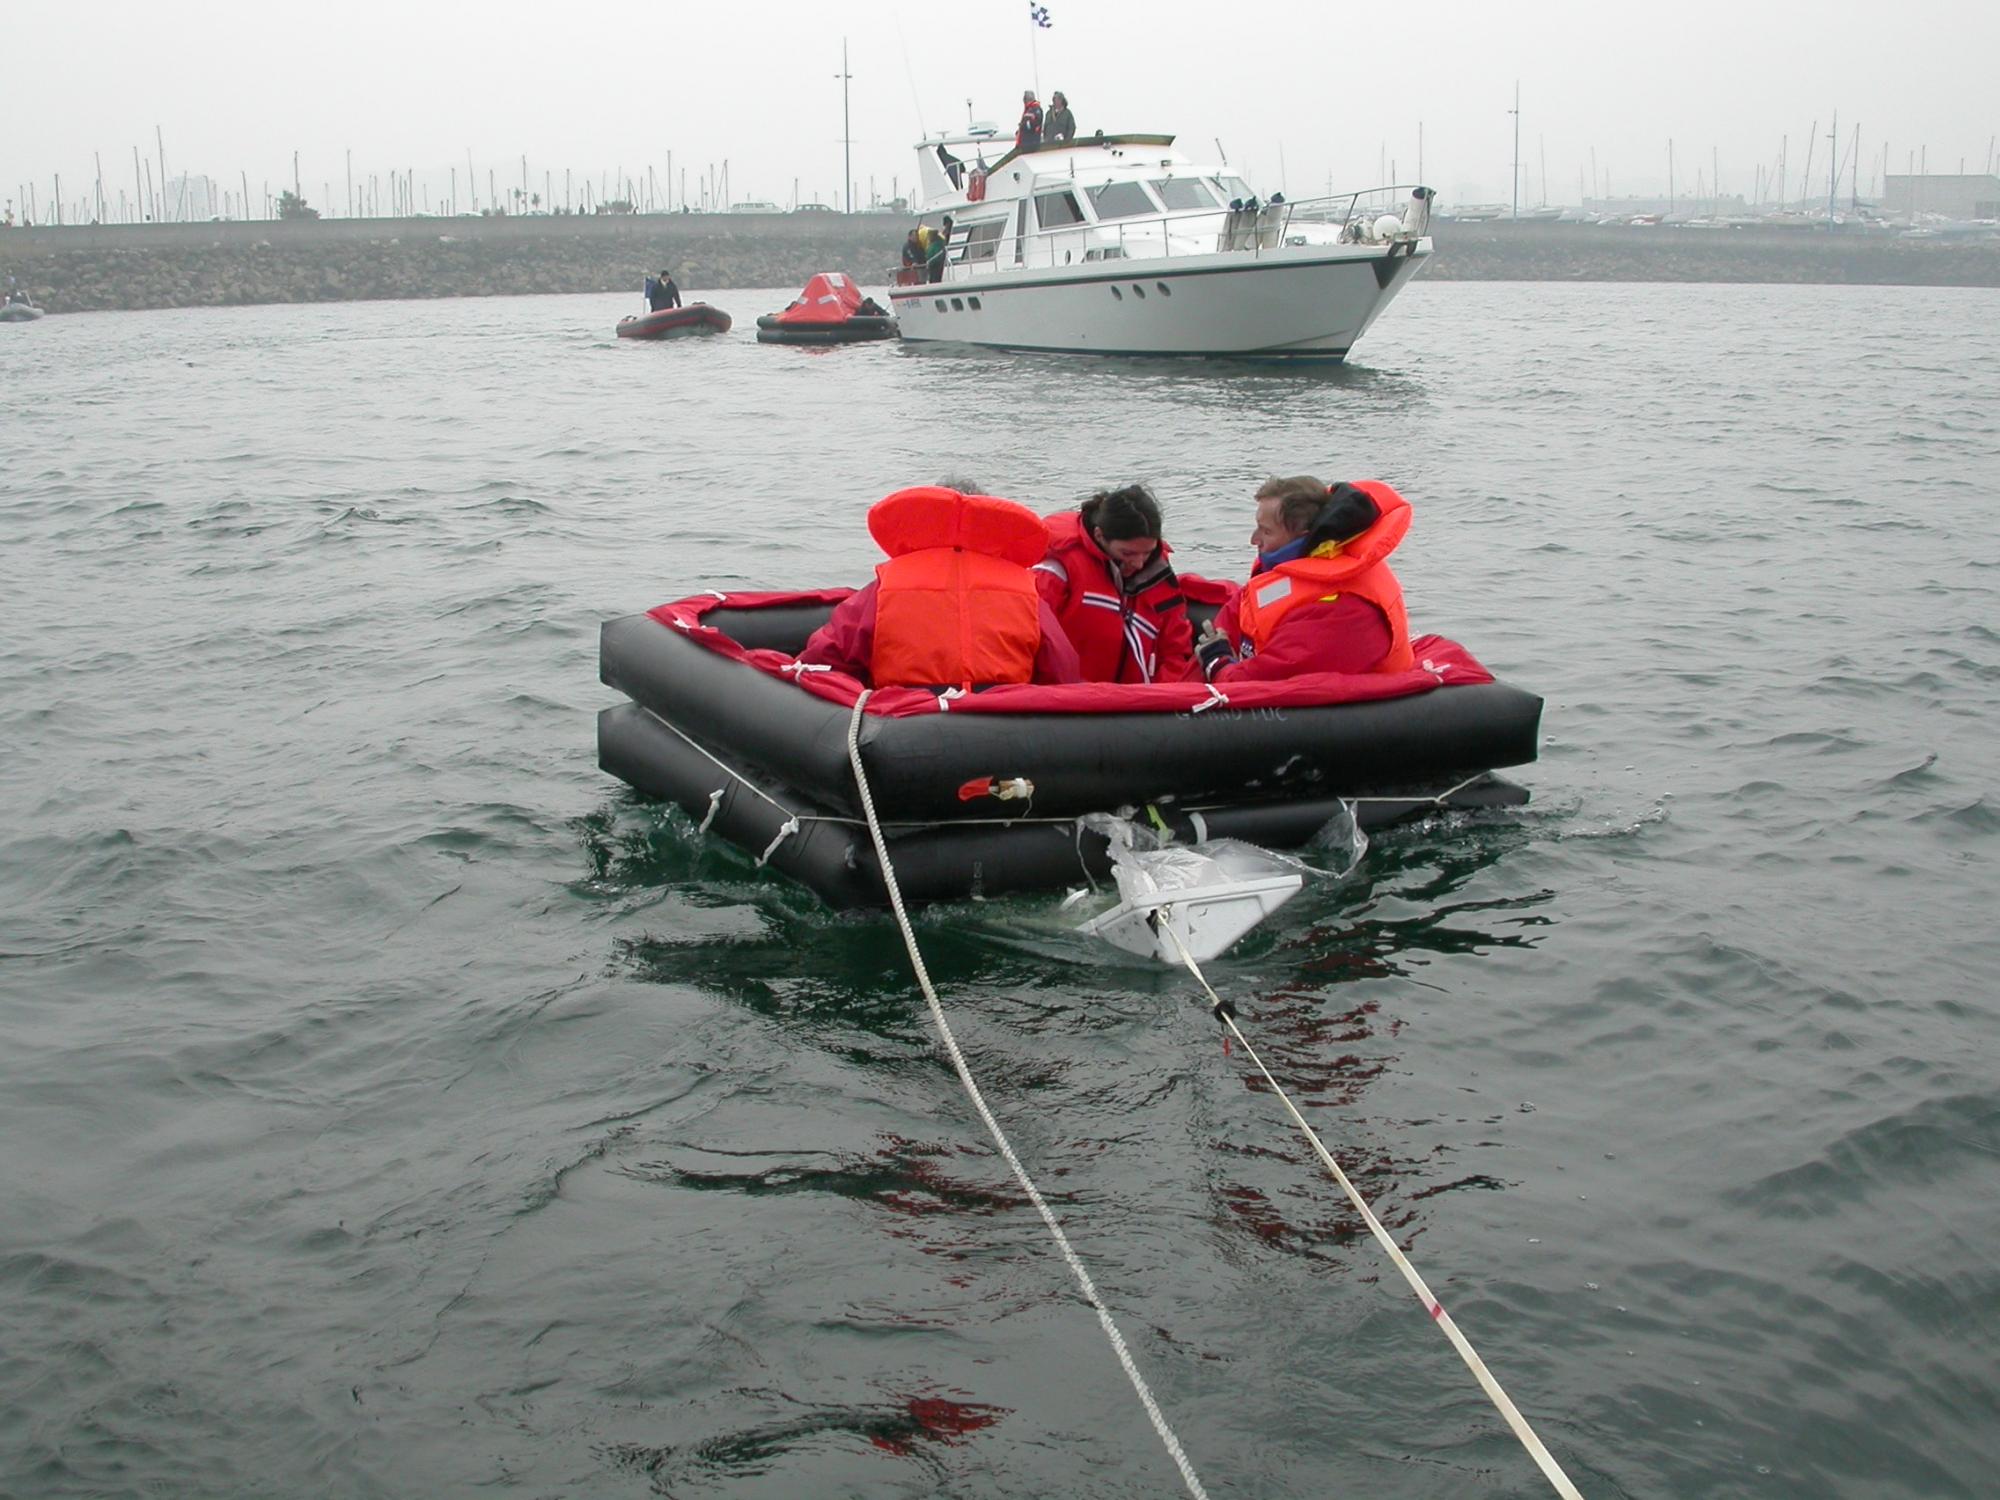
<point>93,267</point>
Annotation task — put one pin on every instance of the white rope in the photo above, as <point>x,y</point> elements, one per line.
<point>737,776</point>
<point>1439,800</point>
<point>791,826</point>
<point>1551,1470</point>
<point>1083,1281</point>
<point>796,818</point>
<point>714,801</point>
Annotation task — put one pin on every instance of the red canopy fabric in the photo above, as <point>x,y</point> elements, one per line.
<point>1440,663</point>
<point>830,297</point>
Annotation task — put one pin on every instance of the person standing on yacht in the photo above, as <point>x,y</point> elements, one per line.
<point>934,254</point>
<point>1321,597</point>
<point>1028,134</point>
<point>1061,123</point>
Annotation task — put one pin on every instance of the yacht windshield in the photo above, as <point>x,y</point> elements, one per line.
<point>1234,187</point>
<point>1184,192</point>
<point>1119,200</point>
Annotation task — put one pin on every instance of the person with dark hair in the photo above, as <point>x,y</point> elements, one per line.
<point>934,256</point>
<point>661,293</point>
<point>1321,597</point>
<point>1107,578</point>
<point>955,606</point>
<point>1060,127</point>
<point>1028,134</point>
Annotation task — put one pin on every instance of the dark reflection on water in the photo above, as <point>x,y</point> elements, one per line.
<point>393,1105</point>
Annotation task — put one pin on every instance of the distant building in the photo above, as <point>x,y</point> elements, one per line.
<point>1974,195</point>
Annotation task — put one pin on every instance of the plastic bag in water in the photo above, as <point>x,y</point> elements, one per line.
<point>1180,901</point>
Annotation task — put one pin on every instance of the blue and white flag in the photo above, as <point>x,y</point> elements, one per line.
<point>1039,14</point>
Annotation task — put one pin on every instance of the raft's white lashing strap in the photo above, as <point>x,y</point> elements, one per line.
<point>714,801</point>
<point>1216,697</point>
<point>1083,1281</point>
<point>805,666</point>
<point>1544,1460</point>
<point>791,826</point>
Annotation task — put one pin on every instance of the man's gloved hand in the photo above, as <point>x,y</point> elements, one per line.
<point>1212,650</point>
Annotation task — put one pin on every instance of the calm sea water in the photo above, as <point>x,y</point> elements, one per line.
<point>391,1104</point>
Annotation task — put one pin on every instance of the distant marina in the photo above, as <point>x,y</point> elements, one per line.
<point>112,266</point>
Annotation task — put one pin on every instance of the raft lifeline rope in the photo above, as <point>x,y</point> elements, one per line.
<point>1544,1460</point>
<point>1083,1281</point>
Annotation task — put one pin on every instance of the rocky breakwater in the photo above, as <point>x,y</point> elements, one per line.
<point>98,267</point>
<point>1505,251</point>
<point>93,267</point>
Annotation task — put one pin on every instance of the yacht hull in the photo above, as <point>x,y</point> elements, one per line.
<point>1284,304</point>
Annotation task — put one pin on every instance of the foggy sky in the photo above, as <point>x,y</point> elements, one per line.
<point>1298,93</point>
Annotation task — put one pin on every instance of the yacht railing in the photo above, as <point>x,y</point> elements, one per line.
<point>1196,231</point>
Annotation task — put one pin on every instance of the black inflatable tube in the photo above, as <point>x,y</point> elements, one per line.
<point>1078,762</point>
<point>836,859</point>
<point>854,330</point>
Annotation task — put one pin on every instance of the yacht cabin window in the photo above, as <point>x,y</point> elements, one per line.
<point>1055,210</point>
<point>1184,192</point>
<point>978,242</point>
<point>1119,200</point>
<point>1234,187</point>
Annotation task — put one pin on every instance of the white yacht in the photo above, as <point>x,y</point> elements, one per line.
<point>1119,244</point>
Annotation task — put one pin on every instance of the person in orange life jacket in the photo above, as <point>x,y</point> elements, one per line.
<point>1108,580</point>
<point>1321,597</point>
<point>955,605</point>
<point>1028,134</point>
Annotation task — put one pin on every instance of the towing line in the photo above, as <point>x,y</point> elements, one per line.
<point>1083,1281</point>
<point>1224,1012</point>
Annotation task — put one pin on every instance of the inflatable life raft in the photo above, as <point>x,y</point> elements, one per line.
<point>675,322</point>
<point>981,794</point>
<point>18,312</point>
<point>831,310</point>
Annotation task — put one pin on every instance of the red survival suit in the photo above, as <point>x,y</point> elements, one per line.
<point>955,605</point>
<point>1338,609</point>
<point>1124,630</point>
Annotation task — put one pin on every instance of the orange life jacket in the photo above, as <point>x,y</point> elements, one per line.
<point>955,604</point>
<point>1358,567</point>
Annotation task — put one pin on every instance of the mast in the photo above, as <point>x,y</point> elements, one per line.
<point>1516,113</point>
<point>1832,165</point>
<point>846,134</point>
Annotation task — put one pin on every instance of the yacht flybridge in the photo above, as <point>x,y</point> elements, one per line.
<point>1119,244</point>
